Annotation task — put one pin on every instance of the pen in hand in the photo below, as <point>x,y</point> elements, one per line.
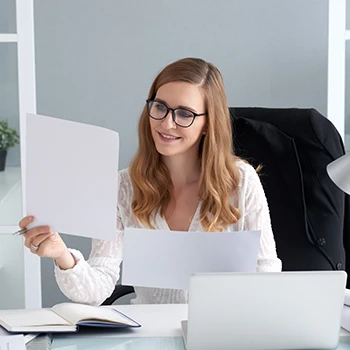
<point>20,232</point>
<point>24,222</point>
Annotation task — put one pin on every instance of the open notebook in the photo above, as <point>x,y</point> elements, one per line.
<point>64,317</point>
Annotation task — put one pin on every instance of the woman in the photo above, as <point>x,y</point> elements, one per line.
<point>183,177</point>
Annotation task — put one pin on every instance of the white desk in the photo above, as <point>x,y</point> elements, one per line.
<point>160,331</point>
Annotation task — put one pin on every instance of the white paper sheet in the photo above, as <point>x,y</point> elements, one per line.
<point>3,332</point>
<point>71,176</point>
<point>347,297</point>
<point>345,319</point>
<point>166,259</point>
<point>12,342</point>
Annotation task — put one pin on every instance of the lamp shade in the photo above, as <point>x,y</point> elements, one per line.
<point>339,172</point>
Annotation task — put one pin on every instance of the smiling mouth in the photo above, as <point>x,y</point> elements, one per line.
<point>168,137</point>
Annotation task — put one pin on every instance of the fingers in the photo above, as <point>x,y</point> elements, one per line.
<point>26,221</point>
<point>36,242</point>
<point>35,233</point>
<point>49,245</point>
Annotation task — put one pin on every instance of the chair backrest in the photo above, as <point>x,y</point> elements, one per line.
<point>118,292</point>
<point>310,215</point>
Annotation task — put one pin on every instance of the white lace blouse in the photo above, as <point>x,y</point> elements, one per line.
<point>92,281</point>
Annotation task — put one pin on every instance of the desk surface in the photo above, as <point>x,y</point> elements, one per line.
<point>161,330</point>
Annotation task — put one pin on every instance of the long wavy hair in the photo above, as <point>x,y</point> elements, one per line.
<point>219,175</point>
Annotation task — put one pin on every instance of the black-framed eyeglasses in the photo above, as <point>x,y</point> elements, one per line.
<point>181,116</point>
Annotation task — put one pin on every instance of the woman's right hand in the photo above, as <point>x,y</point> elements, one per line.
<point>45,243</point>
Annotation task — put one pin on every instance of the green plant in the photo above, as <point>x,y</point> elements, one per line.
<point>9,137</point>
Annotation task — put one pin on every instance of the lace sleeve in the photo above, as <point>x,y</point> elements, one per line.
<point>92,281</point>
<point>257,217</point>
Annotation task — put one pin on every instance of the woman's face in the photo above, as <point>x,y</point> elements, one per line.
<point>169,138</point>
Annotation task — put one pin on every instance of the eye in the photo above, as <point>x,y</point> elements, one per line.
<point>160,107</point>
<point>184,113</point>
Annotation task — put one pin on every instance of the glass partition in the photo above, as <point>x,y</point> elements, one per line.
<point>8,17</point>
<point>11,272</point>
<point>10,176</point>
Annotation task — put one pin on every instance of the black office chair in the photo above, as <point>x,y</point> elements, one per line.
<point>310,216</point>
<point>119,291</point>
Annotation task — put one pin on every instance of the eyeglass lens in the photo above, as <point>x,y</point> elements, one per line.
<point>158,110</point>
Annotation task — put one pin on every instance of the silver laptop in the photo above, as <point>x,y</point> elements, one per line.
<point>258,311</point>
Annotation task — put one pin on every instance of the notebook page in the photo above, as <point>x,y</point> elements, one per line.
<point>79,312</point>
<point>31,317</point>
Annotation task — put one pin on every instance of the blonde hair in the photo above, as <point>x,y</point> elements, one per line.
<point>219,175</point>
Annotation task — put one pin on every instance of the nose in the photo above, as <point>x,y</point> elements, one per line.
<point>168,122</point>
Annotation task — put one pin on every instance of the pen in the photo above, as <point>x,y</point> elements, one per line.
<point>20,232</point>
